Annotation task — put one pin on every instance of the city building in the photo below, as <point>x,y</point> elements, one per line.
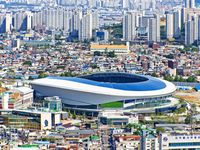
<point>27,119</point>
<point>190,3</point>
<point>32,118</point>
<point>116,119</point>
<point>154,29</point>
<point>127,141</point>
<point>75,21</point>
<point>117,49</point>
<point>169,26</point>
<point>5,22</point>
<point>85,28</point>
<point>21,97</point>
<point>129,26</point>
<point>177,23</point>
<point>95,19</point>
<point>149,140</point>
<point>192,30</point>
<point>22,20</point>
<point>52,103</point>
<point>187,140</point>
<point>107,90</point>
<point>8,22</point>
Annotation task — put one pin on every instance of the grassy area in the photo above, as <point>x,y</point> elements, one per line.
<point>112,105</point>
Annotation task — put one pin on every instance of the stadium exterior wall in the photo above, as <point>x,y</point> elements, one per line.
<point>80,94</point>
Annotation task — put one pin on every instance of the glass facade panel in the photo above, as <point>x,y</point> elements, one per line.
<point>148,104</point>
<point>186,144</point>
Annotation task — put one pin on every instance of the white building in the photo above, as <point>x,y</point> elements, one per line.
<point>26,95</point>
<point>179,141</point>
<point>22,20</point>
<point>192,30</point>
<point>116,118</point>
<point>28,20</point>
<point>125,3</point>
<point>149,141</point>
<point>190,3</point>
<point>145,4</point>
<point>129,26</point>
<point>154,29</point>
<point>177,23</point>
<point>76,18</point>
<point>85,28</point>
<point>95,19</point>
<point>2,24</point>
<point>37,19</point>
<point>8,22</point>
<point>169,25</point>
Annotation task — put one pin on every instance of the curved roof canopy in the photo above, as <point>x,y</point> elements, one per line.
<point>120,81</point>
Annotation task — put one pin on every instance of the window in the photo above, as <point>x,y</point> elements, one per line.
<point>184,144</point>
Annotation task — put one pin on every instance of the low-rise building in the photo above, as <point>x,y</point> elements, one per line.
<point>185,140</point>
<point>25,119</point>
<point>118,119</point>
<point>117,49</point>
<point>33,119</point>
<point>17,98</point>
<point>127,141</point>
<point>149,140</point>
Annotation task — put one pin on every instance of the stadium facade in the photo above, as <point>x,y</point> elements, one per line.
<point>106,90</point>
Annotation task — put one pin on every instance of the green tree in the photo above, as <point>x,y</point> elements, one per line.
<point>42,75</point>
<point>27,63</point>
<point>94,66</point>
<point>181,79</point>
<point>68,74</point>
<point>191,79</point>
<point>168,78</point>
<point>188,119</point>
<point>176,79</point>
<point>111,54</point>
<point>74,115</point>
<point>154,74</point>
<point>69,114</point>
<point>160,130</point>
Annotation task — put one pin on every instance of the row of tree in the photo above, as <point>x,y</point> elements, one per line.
<point>180,78</point>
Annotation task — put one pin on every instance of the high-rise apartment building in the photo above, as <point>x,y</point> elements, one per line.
<point>192,30</point>
<point>129,26</point>
<point>190,3</point>
<point>154,29</point>
<point>169,26</point>
<point>177,23</point>
<point>95,19</point>
<point>8,22</point>
<point>85,28</point>
<point>22,20</point>
<point>75,22</point>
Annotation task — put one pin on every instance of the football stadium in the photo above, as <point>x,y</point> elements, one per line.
<point>107,91</point>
